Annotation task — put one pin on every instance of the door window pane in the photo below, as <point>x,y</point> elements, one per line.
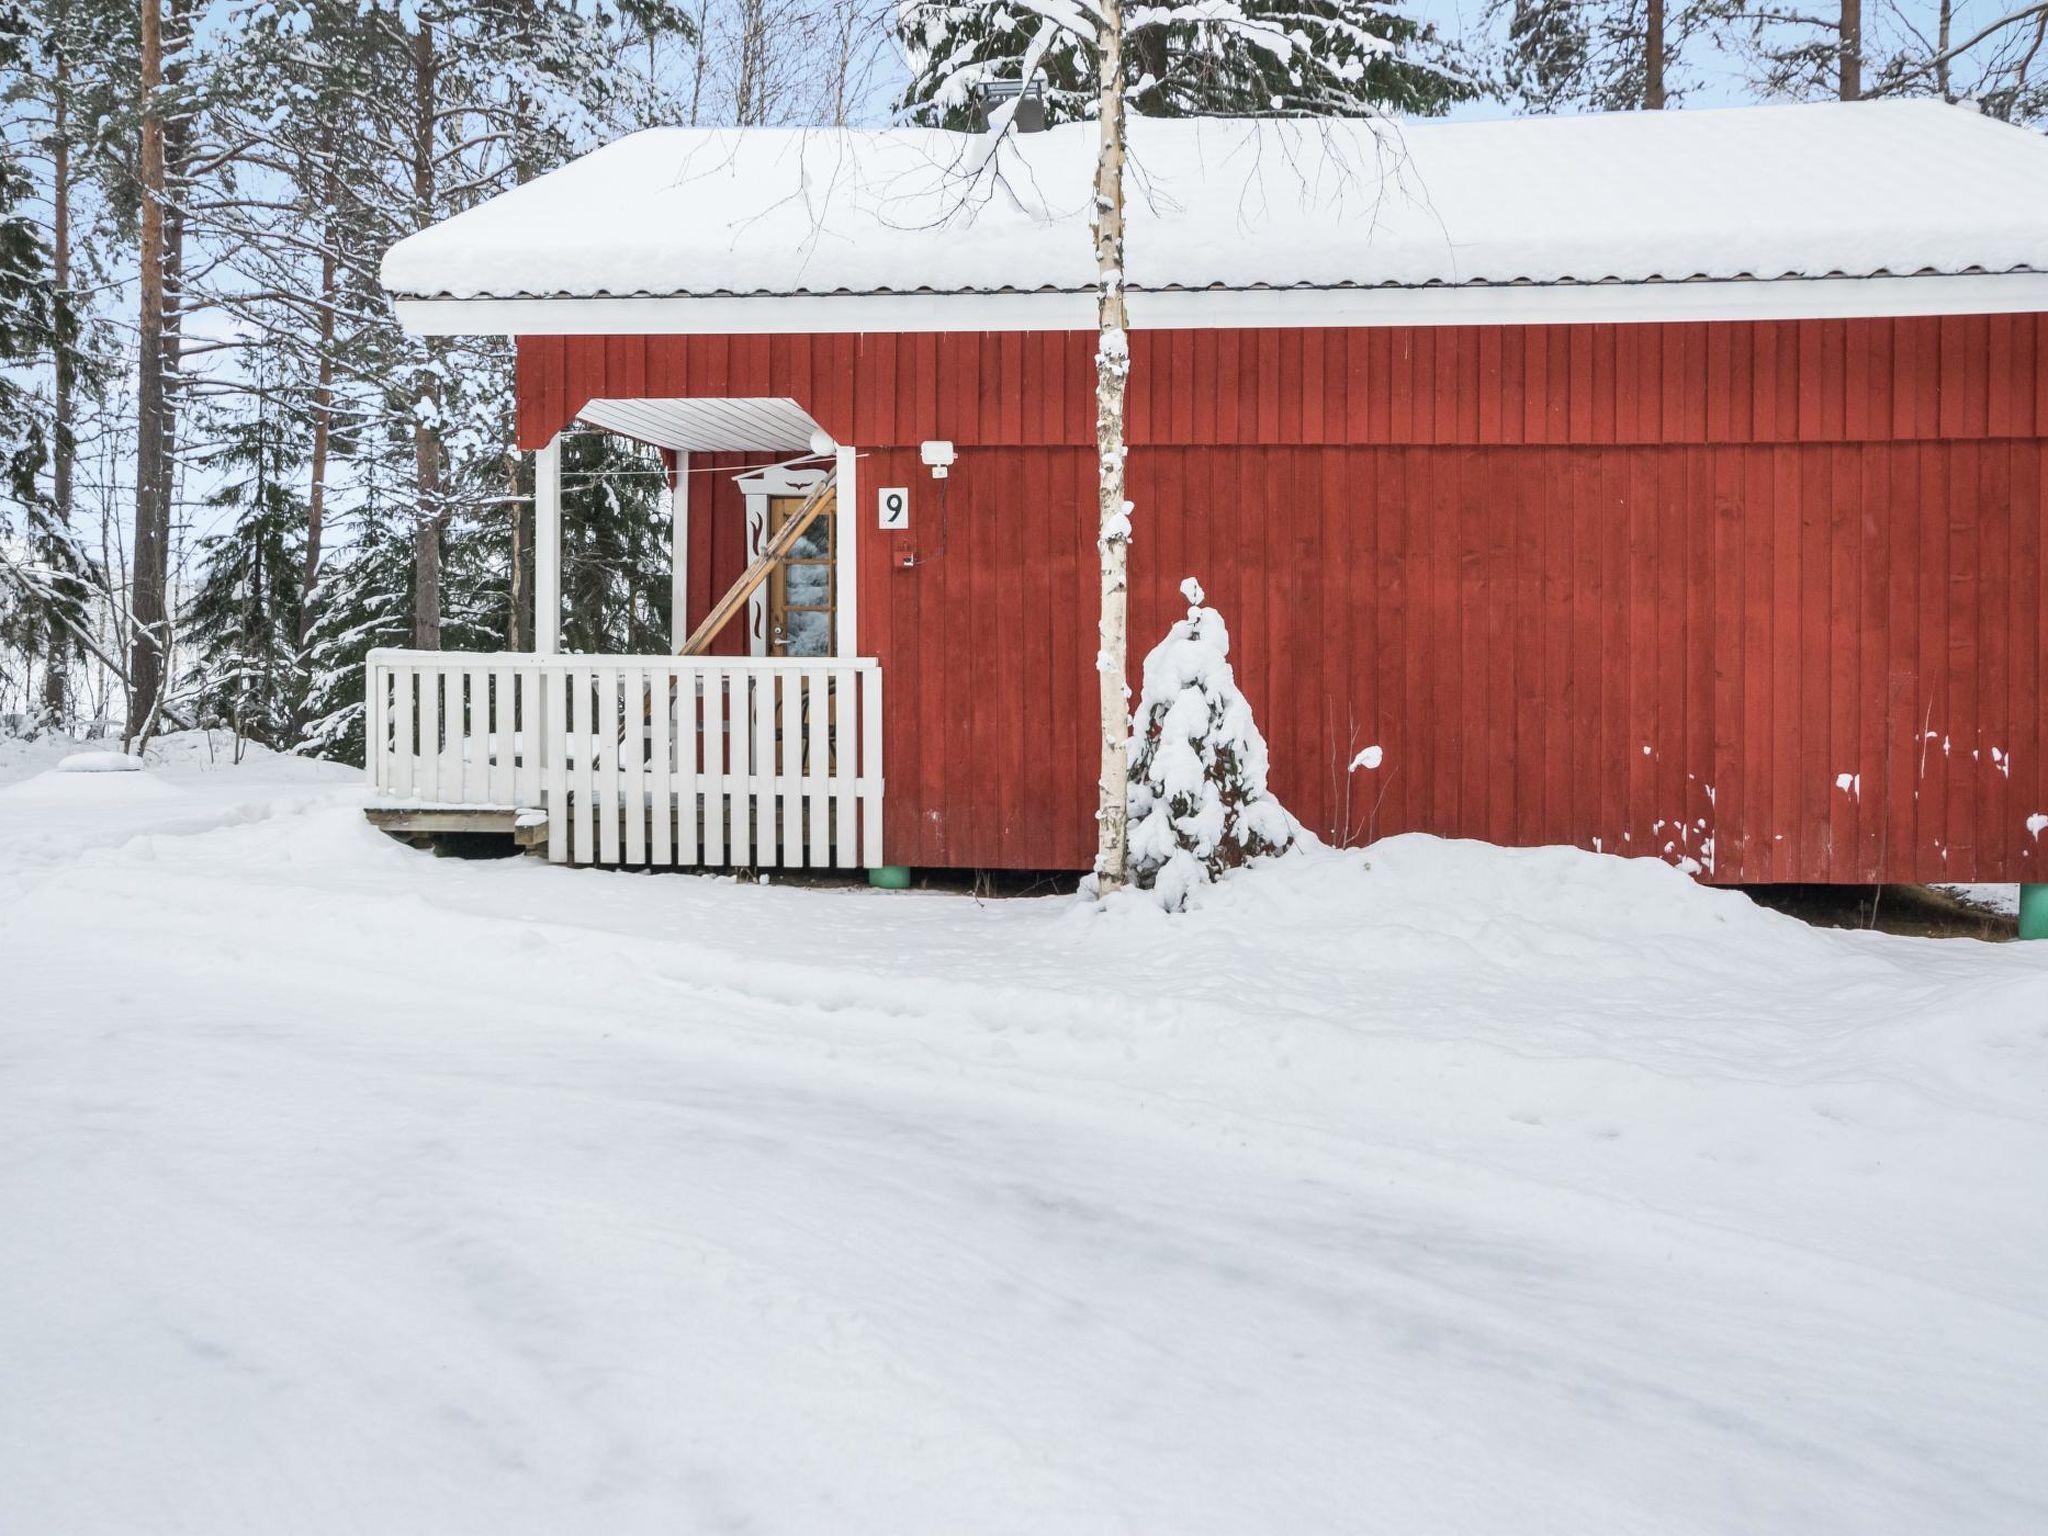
<point>809,632</point>
<point>810,586</point>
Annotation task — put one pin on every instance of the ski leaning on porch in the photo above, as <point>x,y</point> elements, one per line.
<point>748,762</point>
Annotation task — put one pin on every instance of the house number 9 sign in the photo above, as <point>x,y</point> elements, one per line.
<point>893,504</point>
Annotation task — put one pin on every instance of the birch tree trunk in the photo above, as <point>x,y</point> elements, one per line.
<point>1112,373</point>
<point>152,513</point>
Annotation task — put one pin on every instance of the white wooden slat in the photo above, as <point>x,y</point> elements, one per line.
<point>544,720</point>
<point>846,759</point>
<point>447,769</point>
<point>687,739</point>
<point>767,835</point>
<point>605,757</point>
<point>871,767</point>
<point>498,726</point>
<point>789,758</point>
<point>714,766</point>
<point>637,706</point>
<point>428,718</point>
<point>762,787</point>
<point>660,793</point>
<point>476,735</point>
<point>403,681</point>
<point>373,740</point>
<point>452,787</point>
<point>582,784</point>
<point>750,847</point>
<point>739,706</point>
<point>816,733</point>
<point>432,688</point>
<point>395,679</point>
<point>739,767</point>
<point>451,735</point>
<point>529,769</point>
<point>375,764</point>
<point>455,730</point>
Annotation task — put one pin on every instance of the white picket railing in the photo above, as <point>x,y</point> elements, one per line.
<point>641,759</point>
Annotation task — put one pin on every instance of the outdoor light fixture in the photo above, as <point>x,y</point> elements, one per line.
<point>937,455</point>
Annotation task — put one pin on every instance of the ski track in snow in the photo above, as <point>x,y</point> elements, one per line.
<point>1443,1190</point>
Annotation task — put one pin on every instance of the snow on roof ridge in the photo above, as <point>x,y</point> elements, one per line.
<point>1858,189</point>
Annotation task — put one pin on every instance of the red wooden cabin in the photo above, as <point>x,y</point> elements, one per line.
<point>1626,487</point>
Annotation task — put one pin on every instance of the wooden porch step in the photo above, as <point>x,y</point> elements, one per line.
<point>527,828</point>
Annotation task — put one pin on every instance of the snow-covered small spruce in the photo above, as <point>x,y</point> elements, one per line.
<point>1199,802</point>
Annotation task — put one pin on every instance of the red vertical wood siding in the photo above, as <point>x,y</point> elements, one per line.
<point>1652,588</point>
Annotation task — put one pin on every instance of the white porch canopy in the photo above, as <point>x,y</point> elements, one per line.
<point>775,424</point>
<point>770,424</point>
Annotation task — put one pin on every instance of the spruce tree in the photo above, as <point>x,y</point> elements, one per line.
<point>615,548</point>
<point>1199,802</point>
<point>364,597</point>
<point>241,625</point>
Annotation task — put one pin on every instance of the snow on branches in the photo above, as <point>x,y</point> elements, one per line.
<point>1342,58</point>
<point>1199,802</point>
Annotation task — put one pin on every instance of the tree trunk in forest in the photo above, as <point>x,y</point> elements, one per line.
<point>323,394</point>
<point>63,450</point>
<point>177,142</point>
<point>522,540</point>
<point>1149,46</point>
<point>518,500</point>
<point>146,603</point>
<point>1852,50</point>
<point>1653,57</point>
<point>1944,27</point>
<point>426,593</point>
<point>1112,373</point>
<point>428,466</point>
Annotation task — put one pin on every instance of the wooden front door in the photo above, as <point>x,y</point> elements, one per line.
<point>803,590</point>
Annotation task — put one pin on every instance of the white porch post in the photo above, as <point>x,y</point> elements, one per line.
<point>850,516</point>
<point>679,563</point>
<point>547,549</point>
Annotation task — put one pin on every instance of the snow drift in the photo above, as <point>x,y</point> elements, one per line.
<point>1439,1188</point>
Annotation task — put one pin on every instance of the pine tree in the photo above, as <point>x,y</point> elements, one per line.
<point>1591,55</point>
<point>57,86</point>
<point>28,323</point>
<point>1199,802</point>
<point>42,591</point>
<point>1342,58</point>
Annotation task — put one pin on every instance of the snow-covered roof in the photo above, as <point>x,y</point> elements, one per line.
<point>1858,191</point>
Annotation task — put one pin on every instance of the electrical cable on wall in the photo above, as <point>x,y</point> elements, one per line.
<point>913,560</point>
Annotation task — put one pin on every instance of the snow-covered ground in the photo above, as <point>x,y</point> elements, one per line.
<point>1440,1190</point>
